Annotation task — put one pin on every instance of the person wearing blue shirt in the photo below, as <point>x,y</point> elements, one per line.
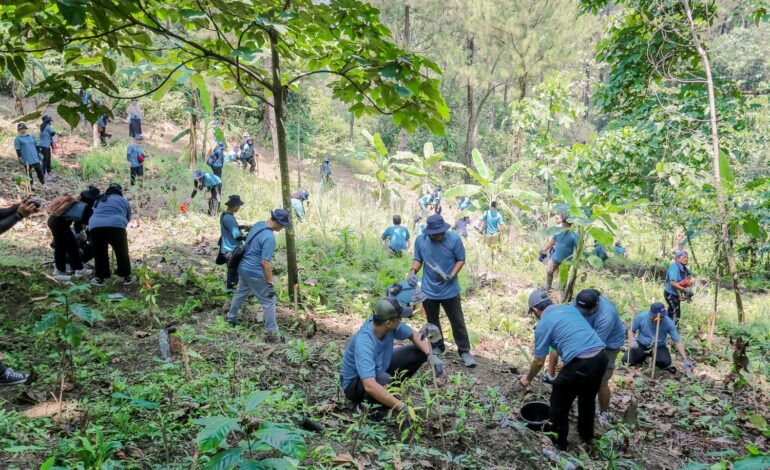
<point>677,285</point>
<point>397,237</point>
<point>417,226</point>
<point>67,224</point>
<point>371,361</point>
<point>135,157</point>
<point>443,255</point>
<point>564,329</point>
<point>107,228</point>
<point>216,159</point>
<point>26,151</point>
<point>326,172</point>
<point>492,221</point>
<point>641,337</point>
<point>101,126</point>
<point>231,237</point>
<point>248,155</point>
<point>560,247</point>
<point>298,203</point>
<point>45,142</point>
<point>461,226</point>
<point>435,200</point>
<point>619,249</point>
<point>604,318</point>
<point>600,252</point>
<point>255,274</point>
<point>213,183</point>
<point>134,120</point>
<point>463,202</point>
<point>425,202</point>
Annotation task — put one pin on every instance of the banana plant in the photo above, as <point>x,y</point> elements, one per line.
<point>385,174</point>
<point>488,187</point>
<point>424,168</point>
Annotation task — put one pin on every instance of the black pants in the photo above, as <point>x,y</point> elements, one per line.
<point>405,362</point>
<point>636,356</point>
<point>103,135</point>
<point>454,312</point>
<point>232,273</point>
<point>217,170</point>
<point>580,379</point>
<point>674,306</point>
<point>37,168</point>
<point>250,162</point>
<point>104,237</point>
<point>66,246</point>
<point>45,152</point>
<point>134,127</point>
<point>216,195</point>
<point>136,171</point>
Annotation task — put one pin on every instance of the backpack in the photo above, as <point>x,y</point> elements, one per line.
<point>237,255</point>
<point>60,205</point>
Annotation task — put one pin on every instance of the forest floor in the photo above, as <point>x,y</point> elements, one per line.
<point>121,386</point>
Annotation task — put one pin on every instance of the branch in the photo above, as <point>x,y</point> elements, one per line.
<point>66,42</point>
<point>168,77</point>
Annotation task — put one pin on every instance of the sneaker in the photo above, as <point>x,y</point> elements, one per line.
<point>547,378</point>
<point>11,377</point>
<point>235,321</point>
<point>274,338</point>
<point>128,280</point>
<point>605,418</point>
<point>85,272</point>
<point>468,360</point>
<point>60,275</point>
<point>97,281</point>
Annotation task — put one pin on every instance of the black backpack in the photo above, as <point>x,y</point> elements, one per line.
<point>237,255</point>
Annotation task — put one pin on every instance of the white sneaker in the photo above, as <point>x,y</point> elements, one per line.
<point>605,418</point>
<point>128,280</point>
<point>60,276</point>
<point>85,272</point>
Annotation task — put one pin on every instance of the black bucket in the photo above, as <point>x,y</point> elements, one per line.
<point>534,413</point>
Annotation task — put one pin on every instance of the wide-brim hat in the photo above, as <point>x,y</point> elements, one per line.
<point>234,201</point>
<point>282,217</point>
<point>435,225</point>
<point>657,309</point>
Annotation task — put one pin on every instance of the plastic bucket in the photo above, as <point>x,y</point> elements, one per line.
<point>534,413</point>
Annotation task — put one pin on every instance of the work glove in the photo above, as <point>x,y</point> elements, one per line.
<point>411,278</point>
<point>437,363</point>
<point>689,366</point>
<point>688,294</point>
<point>270,291</point>
<point>240,238</point>
<point>245,228</point>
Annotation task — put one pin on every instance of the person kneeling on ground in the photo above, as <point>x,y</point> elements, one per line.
<point>370,361</point>
<point>397,237</point>
<point>642,335</point>
<point>255,274</point>
<point>107,227</point>
<point>564,329</point>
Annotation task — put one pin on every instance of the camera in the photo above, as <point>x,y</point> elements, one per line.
<point>36,202</point>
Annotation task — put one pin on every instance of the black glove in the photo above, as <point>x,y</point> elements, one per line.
<point>240,238</point>
<point>270,291</point>
<point>245,228</point>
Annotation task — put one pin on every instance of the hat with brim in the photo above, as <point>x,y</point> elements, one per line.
<point>435,225</point>
<point>389,308</point>
<point>282,217</point>
<point>657,310</point>
<point>587,301</point>
<point>234,201</point>
<point>21,125</point>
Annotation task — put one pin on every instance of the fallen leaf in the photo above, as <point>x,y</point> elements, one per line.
<point>141,334</point>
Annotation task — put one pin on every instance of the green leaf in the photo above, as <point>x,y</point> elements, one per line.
<point>256,398</point>
<point>602,236</point>
<point>428,150</point>
<point>508,174</point>
<point>180,135</point>
<point>205,97</point>
<point>755,462</point>
<point>758,421</point>
<point>565,191</point>
<point>109,65</point>
<point>270,464</point>
<point>463,190</point>
<point>73,11</point>
<point>215,431</point>
<point>85,313</point>
<point>379,145</point>
<point>225,459</point>
<point>20,449</point>
<point>69,114</point>
<point>284,439</point>
<point>481,165</point>
<point>595,261</point>
<point>48,320</point>
<point>725,170</point>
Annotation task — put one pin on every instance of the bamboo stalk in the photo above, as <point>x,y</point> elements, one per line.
<point>655,347</point>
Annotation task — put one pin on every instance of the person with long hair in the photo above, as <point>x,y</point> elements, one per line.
<point>107,226</point>
<point>65,212</point>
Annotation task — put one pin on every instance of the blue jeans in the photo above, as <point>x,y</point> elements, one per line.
<point>248,285</point>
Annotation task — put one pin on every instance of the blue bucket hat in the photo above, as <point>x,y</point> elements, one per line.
<point>197,174</point>
<point>282,217</point>
<point>435,225</point>
<point>657,310</point>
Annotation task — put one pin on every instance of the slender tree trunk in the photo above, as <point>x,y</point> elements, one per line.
<point>403,135</point>
<point>470,136</point>
<point>283,162</point>
<point>97,138</point>
<point>18,95</point>
<point>351,132</point>
<point>193,141</point>
<point>299,140</point>
<point>727,240</point>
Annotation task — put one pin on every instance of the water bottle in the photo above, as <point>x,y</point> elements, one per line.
<point>165,347</point>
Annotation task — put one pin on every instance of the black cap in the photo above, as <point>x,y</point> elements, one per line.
<point>587,301</point>
<point>389,308</point>
<point>21,125</point>
<point>234,201</point>
<point>657,310</point>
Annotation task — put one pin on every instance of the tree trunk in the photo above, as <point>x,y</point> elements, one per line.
<point>97,138</point>
<point>727,240</point>
<point>18,95</point>
<point>299,141</point>
<point>283,161</point>
<point>470,136</point>
<point>403,135</point>
<point>193,141</point>
<point>351,132</point>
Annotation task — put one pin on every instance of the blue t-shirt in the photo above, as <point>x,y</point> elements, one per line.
<point>563,328</point>
<point>442,255</point>
<point>601,252</point>
<point>229,229</point>
<point>247,151</point>
<point>260,246</point>
<point>46,136</point>
<point>210,180</point>
<point>465,203</point>
<point>398,236</point>
<point>365,353</point>
<point>132,155</point>
<point>115,211</point>
<point>217,158</point>
<point>28,147</point>
<point>646,329</point>
<point>492,221</point>
<point>675,273</point>
<point>102,121</point>
<point>326,169</point>
<point>620,250</point>
<point>607,323</point>
<point>425,200</point>
<point>566,242</point>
